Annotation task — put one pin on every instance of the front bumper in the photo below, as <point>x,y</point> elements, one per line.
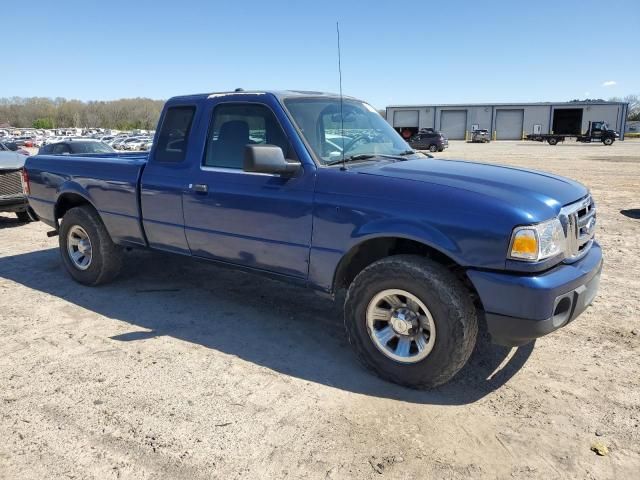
<point>16,203</point>
<point>520,308</point>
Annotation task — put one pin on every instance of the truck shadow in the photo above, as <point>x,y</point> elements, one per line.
<point>281,327</point>
<point>631,213</point>
<point>7,220</point>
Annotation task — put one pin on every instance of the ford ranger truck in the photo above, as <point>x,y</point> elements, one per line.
<point>308,188</point>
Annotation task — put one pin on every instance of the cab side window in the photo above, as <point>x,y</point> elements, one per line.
<point>234,126</point>
<point>174,134</point>
<point>61,149</point>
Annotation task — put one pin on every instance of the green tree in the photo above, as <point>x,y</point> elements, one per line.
<point>43,123</point>
<point>126,113</point>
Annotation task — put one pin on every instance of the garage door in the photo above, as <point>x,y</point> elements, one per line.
<point>405,118</point>
<point>509,124</point>
<point>453,123</point>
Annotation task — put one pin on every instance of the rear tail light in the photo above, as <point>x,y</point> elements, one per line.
<point>26,187</point>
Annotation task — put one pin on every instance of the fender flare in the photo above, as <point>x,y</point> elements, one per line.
<point>73,188</point>
<point>420,233</point>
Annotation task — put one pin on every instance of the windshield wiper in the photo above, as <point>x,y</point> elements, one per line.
<point>367,156</point>
<point>352,158</point>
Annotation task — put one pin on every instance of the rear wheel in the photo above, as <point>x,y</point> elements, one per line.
<point>553,141</point>
<point>608,141</point>
<point>411,321</point>
<point>87,250</point>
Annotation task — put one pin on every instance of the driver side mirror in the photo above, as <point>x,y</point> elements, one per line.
<point>268,159</point>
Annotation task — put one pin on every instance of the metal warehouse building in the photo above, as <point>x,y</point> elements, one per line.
<point>507,121</point>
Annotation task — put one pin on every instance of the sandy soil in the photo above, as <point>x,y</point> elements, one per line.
<point>184,370</point>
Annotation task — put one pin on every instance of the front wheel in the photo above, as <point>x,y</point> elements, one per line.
<point>553,141</point>
<point>608,141</point>
<point>411,321</point>
<point>433,148</point>
<point>86,248</point>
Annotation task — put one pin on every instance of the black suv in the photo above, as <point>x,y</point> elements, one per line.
<point>429,139</point>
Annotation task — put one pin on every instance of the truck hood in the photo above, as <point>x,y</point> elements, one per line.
<point>538,190</point>
<point>11,160</point>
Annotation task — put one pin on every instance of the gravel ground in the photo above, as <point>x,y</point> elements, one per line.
<point>183,370</point>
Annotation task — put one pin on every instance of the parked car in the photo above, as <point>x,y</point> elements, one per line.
<point>114,140</point>
<point>146,146</point>
<point>78,147</point>
<point>429,139</point>
<point>481,135</point>
<point>12,196</point>
<point>14,148</point>
<point>423,248</point>
<point>119,144</point>
<point>134,144</point>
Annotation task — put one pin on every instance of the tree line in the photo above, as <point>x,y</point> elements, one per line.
<point>634,105</point>
<point>40,112</point>
<point>124,114</point>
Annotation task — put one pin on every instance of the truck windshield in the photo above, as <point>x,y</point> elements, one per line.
<point>359,130</point>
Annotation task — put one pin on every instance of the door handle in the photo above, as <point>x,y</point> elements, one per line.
<point>199,187</point>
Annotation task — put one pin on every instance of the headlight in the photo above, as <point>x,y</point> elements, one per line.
<point>533,243</point>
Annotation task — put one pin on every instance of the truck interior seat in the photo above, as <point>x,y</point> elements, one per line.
<point>228,149</point>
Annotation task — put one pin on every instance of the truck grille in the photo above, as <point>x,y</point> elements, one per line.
<point>10,184</point>
<point>579,223</point>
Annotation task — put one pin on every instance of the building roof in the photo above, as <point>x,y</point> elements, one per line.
<point>511,104</point>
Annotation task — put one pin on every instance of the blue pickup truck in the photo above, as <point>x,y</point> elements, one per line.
<point>318,190</point>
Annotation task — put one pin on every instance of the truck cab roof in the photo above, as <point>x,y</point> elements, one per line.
<point>279,94</point>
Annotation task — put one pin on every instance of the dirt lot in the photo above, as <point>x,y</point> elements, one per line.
<point>183,370</point>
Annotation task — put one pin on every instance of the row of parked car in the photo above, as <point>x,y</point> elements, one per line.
<point>122,141</point>
<point>132,144</point>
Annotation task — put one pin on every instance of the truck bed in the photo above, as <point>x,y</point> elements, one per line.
<point>109,183</point>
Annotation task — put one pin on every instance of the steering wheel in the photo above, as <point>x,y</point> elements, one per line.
<point>357,139</point>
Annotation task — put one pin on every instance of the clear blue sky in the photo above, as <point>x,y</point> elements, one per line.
<point>424,52</point>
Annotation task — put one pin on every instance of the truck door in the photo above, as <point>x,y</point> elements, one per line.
<point>164,179</point>
<point>596,131</point>
<point>257,220</point>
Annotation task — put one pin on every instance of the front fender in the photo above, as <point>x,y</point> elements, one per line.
<point>419,232</point>
<point>326,263</point>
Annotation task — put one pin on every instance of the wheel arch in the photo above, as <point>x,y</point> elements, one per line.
<point>375,248</point>
<point>69,198</point>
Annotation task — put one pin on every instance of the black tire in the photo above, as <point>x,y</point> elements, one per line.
<point>433,148</point>
<point>441,149</point>
<point>608,141</point>
<point>23,216</point>
<point>553,141</point>
<point>448,301</point>
<point>106,256</point>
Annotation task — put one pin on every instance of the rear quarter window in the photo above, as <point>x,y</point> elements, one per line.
<point>174,134</point>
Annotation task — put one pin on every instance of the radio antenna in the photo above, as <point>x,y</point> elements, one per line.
<point>341,102</point>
